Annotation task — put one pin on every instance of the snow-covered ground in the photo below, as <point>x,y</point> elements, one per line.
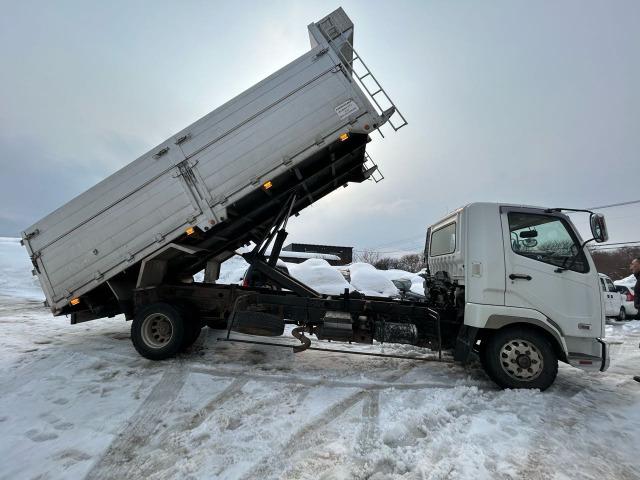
<point>78,402</point>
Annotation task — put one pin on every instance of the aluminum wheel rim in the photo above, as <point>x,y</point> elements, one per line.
<point>157,330</point>
<point>521,359</point>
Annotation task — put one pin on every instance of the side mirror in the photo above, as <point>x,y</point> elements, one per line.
<point>598,227</point>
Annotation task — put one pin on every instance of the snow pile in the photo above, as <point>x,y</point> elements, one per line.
<point>370,281</point>
<point>629,281</point>
<point>320,276</point>
<point>15,271</point>
<point>417,282</point>
<point>327,279</point>
<point>233,270</point>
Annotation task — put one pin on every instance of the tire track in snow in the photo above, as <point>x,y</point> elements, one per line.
<point>370,416</point>
<point>271,465</point>
<point>234,389</point>
<point>118,461</point>
<point>316,382</point>
<point>128,448</point>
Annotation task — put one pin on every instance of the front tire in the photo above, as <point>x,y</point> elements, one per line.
<point>520,357</point>
<point>158,331</point>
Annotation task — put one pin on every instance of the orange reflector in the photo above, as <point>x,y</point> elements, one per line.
<point>344,136</point>
<point>190,231</point>
<point>74,301</point>
<point>267,185</point>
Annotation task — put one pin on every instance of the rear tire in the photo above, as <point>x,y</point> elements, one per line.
<point>520,357</point>
<point>622,316</point>
<point>158,331</point>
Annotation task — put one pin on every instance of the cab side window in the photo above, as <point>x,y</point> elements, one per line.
<point>443,240</point>
<point>547,239</point>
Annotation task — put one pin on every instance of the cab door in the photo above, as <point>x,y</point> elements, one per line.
<point>546,270</point>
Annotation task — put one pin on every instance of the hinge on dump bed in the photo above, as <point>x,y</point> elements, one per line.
<point>161,152</point>
<point>322,52</point>
<point>182,139</point>
<point>29,236</point>
<point>34,261</point>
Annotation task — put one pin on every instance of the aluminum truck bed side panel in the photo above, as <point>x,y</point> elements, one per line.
<point>190,178</point>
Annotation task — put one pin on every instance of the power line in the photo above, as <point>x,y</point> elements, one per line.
<point>614,205</point>
<point>608,246</point>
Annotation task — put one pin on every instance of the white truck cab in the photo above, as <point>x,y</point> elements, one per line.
<point>532,294</point>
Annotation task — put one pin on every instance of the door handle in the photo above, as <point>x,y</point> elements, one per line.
<point>517,276</point>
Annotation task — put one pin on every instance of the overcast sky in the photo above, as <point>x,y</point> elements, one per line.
<point>524,102</point>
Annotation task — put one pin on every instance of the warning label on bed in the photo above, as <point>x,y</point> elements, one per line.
<point>346,108</point>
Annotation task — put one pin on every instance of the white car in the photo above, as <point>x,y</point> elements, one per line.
<point>612,300</point>
<point>628,297</point>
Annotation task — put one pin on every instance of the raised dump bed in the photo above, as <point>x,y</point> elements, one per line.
<point>217,184</point>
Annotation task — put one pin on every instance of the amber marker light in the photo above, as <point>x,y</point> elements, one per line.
<point>267,185</point>
<point>190,231</point>
<point>74,301</point>
<point>344,136</point>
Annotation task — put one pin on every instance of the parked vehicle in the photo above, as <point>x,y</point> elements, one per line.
<point>627,299</point>
<point>613,300</point>
<point>509,284</point>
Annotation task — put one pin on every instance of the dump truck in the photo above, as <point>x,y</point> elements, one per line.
<point>132,244</point>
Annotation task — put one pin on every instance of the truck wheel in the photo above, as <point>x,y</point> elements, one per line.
<point>158,331</point>
<point>622,316</point>
<point>520,358</point>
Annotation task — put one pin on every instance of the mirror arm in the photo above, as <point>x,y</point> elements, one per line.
<point>583,245</point>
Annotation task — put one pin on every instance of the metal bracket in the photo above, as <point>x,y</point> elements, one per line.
<point>29,236</point>
<point>161,152</point>
<point>182,139</point>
